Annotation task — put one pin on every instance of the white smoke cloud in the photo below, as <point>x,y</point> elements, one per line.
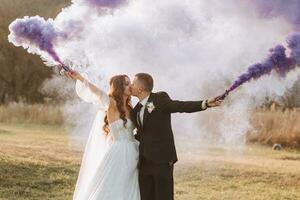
<point>194,50</point>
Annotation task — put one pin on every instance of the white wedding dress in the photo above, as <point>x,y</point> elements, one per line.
<point>109,164</point>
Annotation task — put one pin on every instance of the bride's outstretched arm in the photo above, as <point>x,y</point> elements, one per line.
<point>94,89</point>
<point>102,99</point>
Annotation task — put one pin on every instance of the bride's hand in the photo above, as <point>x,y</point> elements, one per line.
<point>75,75</point>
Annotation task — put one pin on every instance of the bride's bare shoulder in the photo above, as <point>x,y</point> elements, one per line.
<point>112,103</point>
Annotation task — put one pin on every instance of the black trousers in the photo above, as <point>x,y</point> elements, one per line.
<point>156,180</point>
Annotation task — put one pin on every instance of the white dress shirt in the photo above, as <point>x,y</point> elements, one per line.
<point>142,111</point>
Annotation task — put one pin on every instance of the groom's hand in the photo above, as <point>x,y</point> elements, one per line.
<point>214,102</point>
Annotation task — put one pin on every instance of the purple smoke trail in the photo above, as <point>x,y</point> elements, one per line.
<point>111,4</point>
<point>293,42</point>
<point>35,32</point>
<point>276,61</point>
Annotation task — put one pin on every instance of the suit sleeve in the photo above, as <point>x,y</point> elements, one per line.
<point>175,106</point>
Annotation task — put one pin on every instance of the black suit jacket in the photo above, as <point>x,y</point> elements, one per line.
<point>156,135</point>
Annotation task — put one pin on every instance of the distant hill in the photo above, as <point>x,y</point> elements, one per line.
<point>21,74</point>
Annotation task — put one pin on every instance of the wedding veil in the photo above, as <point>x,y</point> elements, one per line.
<point>96,145</point>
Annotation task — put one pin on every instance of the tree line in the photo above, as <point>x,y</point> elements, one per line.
<point>21,73</point>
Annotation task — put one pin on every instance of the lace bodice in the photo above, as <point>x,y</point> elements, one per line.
<point>120,133</point>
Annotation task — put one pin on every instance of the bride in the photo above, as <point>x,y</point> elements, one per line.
<point>109,165</point>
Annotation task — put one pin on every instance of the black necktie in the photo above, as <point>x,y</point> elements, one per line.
<point>138,109</point>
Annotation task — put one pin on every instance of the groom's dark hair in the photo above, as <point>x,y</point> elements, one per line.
<point>146,80</point>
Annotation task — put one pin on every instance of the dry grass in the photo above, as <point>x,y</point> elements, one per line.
<point>269,125</point>
<point>36,113</point>
<point>276,126</point>
<point>39,162</point>
<point>36,162</point>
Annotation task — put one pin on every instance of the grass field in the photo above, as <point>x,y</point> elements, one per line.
<point>40,162</point>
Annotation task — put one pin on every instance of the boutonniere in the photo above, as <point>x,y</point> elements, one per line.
<point>150,107</point>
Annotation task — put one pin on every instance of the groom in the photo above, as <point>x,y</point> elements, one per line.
<point>152,117</point>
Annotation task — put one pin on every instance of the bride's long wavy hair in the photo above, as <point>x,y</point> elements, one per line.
<point>117,84</point>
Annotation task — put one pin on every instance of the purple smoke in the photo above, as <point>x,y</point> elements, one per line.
<point>276,61</point>
<point>35,32</point>
<point>289,9</point>
<point>104,3</point>
<point>293,42</point>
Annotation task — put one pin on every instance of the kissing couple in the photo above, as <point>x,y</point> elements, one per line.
<point>137,153</point>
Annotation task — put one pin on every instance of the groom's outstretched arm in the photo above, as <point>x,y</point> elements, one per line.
<point>173,106</point>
